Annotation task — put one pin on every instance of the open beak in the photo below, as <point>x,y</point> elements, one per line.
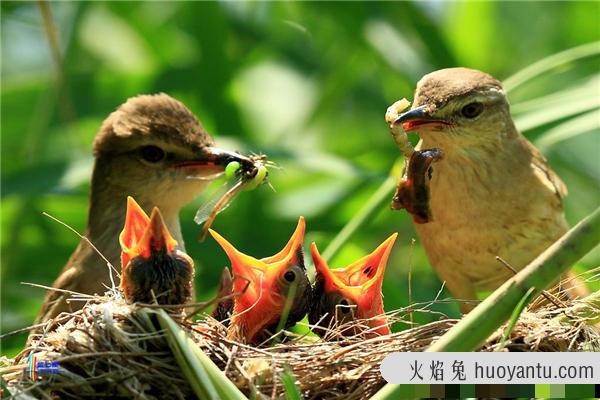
<point>292,245</point>
<point>260,303</point>
<point>212,160</point>
<point>360,282</point>
<point>420,116</point>
<point>141,236</point>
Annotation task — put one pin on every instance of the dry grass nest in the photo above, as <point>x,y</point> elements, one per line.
<point>110,348</point>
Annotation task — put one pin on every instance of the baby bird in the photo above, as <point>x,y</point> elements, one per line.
<point>153,270</point>
<point>267,288</point>
<point>352,293</point>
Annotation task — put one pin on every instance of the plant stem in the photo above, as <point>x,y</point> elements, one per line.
<point>363,217</point>
<point>475,327</point>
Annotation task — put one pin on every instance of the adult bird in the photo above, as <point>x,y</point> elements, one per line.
<point>493,194</point>
<point>152,268</point>
<point>266,290</point>
<point>154,149</point>
<point>353,293</point>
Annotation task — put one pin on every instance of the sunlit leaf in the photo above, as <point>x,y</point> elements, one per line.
<point>114,42</point>
<point>550,62</point>
<point>585,123</point>
<point>557,112</point>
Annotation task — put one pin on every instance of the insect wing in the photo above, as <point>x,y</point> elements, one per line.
<point>207,208</point>
<point>222,203</point>
<point>210,177</point>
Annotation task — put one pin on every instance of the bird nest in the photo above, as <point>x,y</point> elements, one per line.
<point>110,348</point>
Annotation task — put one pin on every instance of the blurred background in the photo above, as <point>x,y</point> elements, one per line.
<point>305,83</point>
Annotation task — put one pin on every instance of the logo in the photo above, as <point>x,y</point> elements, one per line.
<point>36,368</point>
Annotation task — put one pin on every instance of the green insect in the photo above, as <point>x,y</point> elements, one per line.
<point>239,178</point>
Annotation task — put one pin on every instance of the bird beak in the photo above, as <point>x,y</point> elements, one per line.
<point>359,282</point>
<point>292,245</point>
<point>416,117</point>
<point>214,160</point>
<point>260,304</point>
<point>142,236</point>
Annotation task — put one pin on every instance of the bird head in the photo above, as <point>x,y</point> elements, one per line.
<point>458,107</point>
<point>351,293</point>
<point>143,236</point>
<point>153,148</point>
<point>150,260</point>
<point>266,287</point>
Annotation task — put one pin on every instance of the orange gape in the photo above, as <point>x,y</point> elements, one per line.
<point>351,293</point>
<point>264,287</point>
<point>153,270</point>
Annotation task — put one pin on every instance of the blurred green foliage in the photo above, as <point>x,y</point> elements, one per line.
<point>305,83</point>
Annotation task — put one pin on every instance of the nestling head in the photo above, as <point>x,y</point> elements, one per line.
<point>152,266</point>
<point>268,288</point>
<point>458,107</point>
<point>351,293</point>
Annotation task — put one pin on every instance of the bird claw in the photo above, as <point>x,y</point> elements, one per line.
<point>412,193</point>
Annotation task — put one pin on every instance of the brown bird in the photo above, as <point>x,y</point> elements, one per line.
<point>352,293</point>
<point>492,194</point>
<point>153,270</point>
<point>266,287</point>
<point>154,149</point>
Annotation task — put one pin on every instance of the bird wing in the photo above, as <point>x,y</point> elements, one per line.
<point>545,173</point>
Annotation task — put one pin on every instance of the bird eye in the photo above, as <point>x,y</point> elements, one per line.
<point>152,154</point>
<point>472,110</point>
<point>289,276</point>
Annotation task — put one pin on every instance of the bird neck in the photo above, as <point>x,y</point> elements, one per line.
<point>106,217</point>
<point>501,144</point>
<point>480,170</point>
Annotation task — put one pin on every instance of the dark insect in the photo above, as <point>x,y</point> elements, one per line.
<point>413,193</point>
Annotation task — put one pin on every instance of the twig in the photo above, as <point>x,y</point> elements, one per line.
<point>57,289</point>
<point>544,292</point>
<point>112,281</point>
<point>410,256</point>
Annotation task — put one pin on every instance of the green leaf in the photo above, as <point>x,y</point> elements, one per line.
<point>567,130</point>
<point>548,63</point>
<point>557,112</point>
<point>515,317</point>
<point>205,378</point>
<point>289,385</point>
<point>114,42</point>
<point>586,88</point>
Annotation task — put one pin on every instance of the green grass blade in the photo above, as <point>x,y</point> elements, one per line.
<point>586,88</point>
<point>382,196</point>
<point>515,317</point>
<point>557,112</point>
<point>288,381</point>
<point>548,63</point>
<point>226,389</point>
<point>289,302</point>
<point>567,130</point>
<point>205,378</point>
